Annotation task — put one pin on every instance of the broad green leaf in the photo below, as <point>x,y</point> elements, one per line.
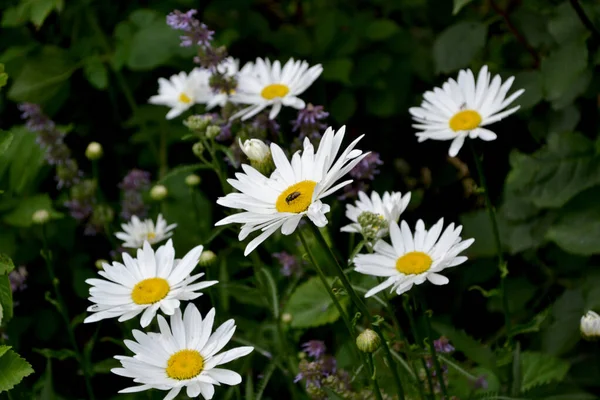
<point>310,305</point>
<point>563,333</point>
<point>3,76</point>
<point>6,264</point>
<point>531,81</point>
<point>563,68</point>
<point>4,349</point>
<point>21,215</point>
<point>21,162</point>
<point>456,47</point>
<point>40,9</point>
<point>294,38</point>
<point>556,173</point>
<point>578,228</point>
<point>104,366</point>
<point>574,90</point>
<point>5,141</point>
<point>43,76</point>
<point>381,29</point>
<point>143,17</point>
<point>470,347</point>
<point>458,5</point>
<point>476,224</point>
<point>565,25</point>
<point>60,355</point>
<point>6,299</point>
<point>152,46</point>
<point>541,368</point>
<point>338,70</point>
<point>1,313</point>
<point>95,72</point>
<point>325,29</point>
<point>12,370</point>
<point>343,106</point>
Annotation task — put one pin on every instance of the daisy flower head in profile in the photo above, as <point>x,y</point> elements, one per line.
<point>185,354</point>
<point>412,259</point>
<point>462,108</point>
<point>182,91</point>
<point>268,84</point>
<point>228,69</point>
<point>371,216</point>
<point>142,285</point>
<point>292,191</point>
<point>136,231</point>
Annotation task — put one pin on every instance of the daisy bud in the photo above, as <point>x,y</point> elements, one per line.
<point>368,341</point>
<point>40,217</point>
<point>213,131</point>
<point>192,180</point>
<point>99,263</point>
<point>158,192</point>
<point>590,326</point>
<point>286,318</point>
<point>371,224</point>
<point>198,123</point>
<point>207,258</point>
<point>94,151</point>
<point>259,155</point>
<point>198,149</point>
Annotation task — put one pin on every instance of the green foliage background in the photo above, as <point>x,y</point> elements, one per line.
<point>92,65</point>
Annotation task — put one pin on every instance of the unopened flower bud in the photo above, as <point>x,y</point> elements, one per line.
<point>286,318</point>
<point>212,131</point>
<point>192,180</point>
<point>99,264</point>
<point>590,326</point>
<point>368,341</point>
<point>207,258</point>
<point>373,226</point>
<point>40,217</point>
<point>198,149</point>
<point>94,151</point>
<point>259,155</point>
<point>198,123</point>
<point>158,192</point>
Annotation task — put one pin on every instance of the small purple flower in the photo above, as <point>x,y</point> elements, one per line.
<point>289,263</point>
<point>442,345</point>
<point>133,184</point>
<point>225,133</point>
<point>196,33</point>
<point>262,123</point>
<point>136,179</point>
<point>366,169</point>
<point>481,383</point>
<point>314,348</point>
<point>308,122</point>
<point>79,209</point>
<point>181,21</point>
<point>17,279</point>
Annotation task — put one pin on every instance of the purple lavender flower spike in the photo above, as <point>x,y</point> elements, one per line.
<point>442,345</point>
<point>314,348</point>
<point>17,279</point>
<point>308,122</point>
<point>181,21</point>
<point>289,264</point>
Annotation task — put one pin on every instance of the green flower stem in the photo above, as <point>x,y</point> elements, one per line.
<point>216,165</point>
<point>47,255</point>
<point>373,376</point>
<point>417,337</point>
<point>584,18</point>
<point>498,242</point>
<point>361,307</point>
<point>436,361</point>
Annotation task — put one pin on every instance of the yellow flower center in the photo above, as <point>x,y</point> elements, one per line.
<point>185,364</point>
<point>149,291</point>
<point>184,98</point>
<point>274,90</point>
<point>465,120</point>
<point>413,263</point>
<point>296,198</point>
<point>151,235</point>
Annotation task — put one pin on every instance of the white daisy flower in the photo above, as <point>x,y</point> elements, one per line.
<point>267,84</point>
<point>387,207</point>
<point>229,68</point>
<point>411,260</point>
<point>182,91</point>
<point>136,232</point>
<point>184,354</point>
<point>590,326</point>
<point>144,284</point>
<point>463,108</point>
<point>292,191</point>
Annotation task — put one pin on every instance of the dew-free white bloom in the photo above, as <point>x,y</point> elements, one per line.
<point>135,232</point>
<point>183,355</point>
<point>230,69</point>
<point>145,283</point>
<point>292,191</point>
<point>182,91</point>
<point>413,259</point>
<point>267,84</point>
<point>462,108</point>
<point>590,326</point>
<point>389,207</point>
<point>255,149</point>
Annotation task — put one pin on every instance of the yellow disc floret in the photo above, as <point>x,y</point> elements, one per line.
<point>184,98</point>
<point>185,364</point>
<point>296,198</point>
<point>274,90</point>
<point>413,263</point>
<point>149,291</point>
<point>465,120</point>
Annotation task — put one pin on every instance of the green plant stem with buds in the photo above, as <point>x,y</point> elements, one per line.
<point>60,304</point>
<point>373,373</point>
<point>361,307</point>
<point>215,164</point>
<point>496,231</point>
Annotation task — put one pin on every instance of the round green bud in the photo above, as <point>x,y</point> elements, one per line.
<point>198,149</point>
<point>213,131</point>
<point>159,192</point>
<point>207,258</point>
<point>99,263</point>
<point>198,123</point>
<point>40,217</point>
<point>94,151</point>
<point>192,180</point>
<point>368,341</point>
<point>286,318</point>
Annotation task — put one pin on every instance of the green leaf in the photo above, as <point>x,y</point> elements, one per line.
<point>456,47</point>
<point>310,305</point>
<point>3,76</point>
<point>563,68</point>
<point>5,141</point>
<point>152,46</point>
<point>343,106</point>
<point>6,300</point>
<point>531,81</point>
<point>144,17</point>
<point>553,175</point>
<point>6,264</point>
<point>268,282</point>
<point>21,161</point>
<point>12,370</point>
<point>578,228</point>
<point>338,70</point>
<point>471,348</point>
<point>60,355</point>
<point>381,29</point>
<point>42,76</point>
<point>477,224</point>
<point>21,215</point>
<point>563,333</point>
<point>40,9</point>
<point>104,366</point>
<point>541,368</point>
<point>458,5</point>
<point>95,72</point>
<point>565,25</point>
